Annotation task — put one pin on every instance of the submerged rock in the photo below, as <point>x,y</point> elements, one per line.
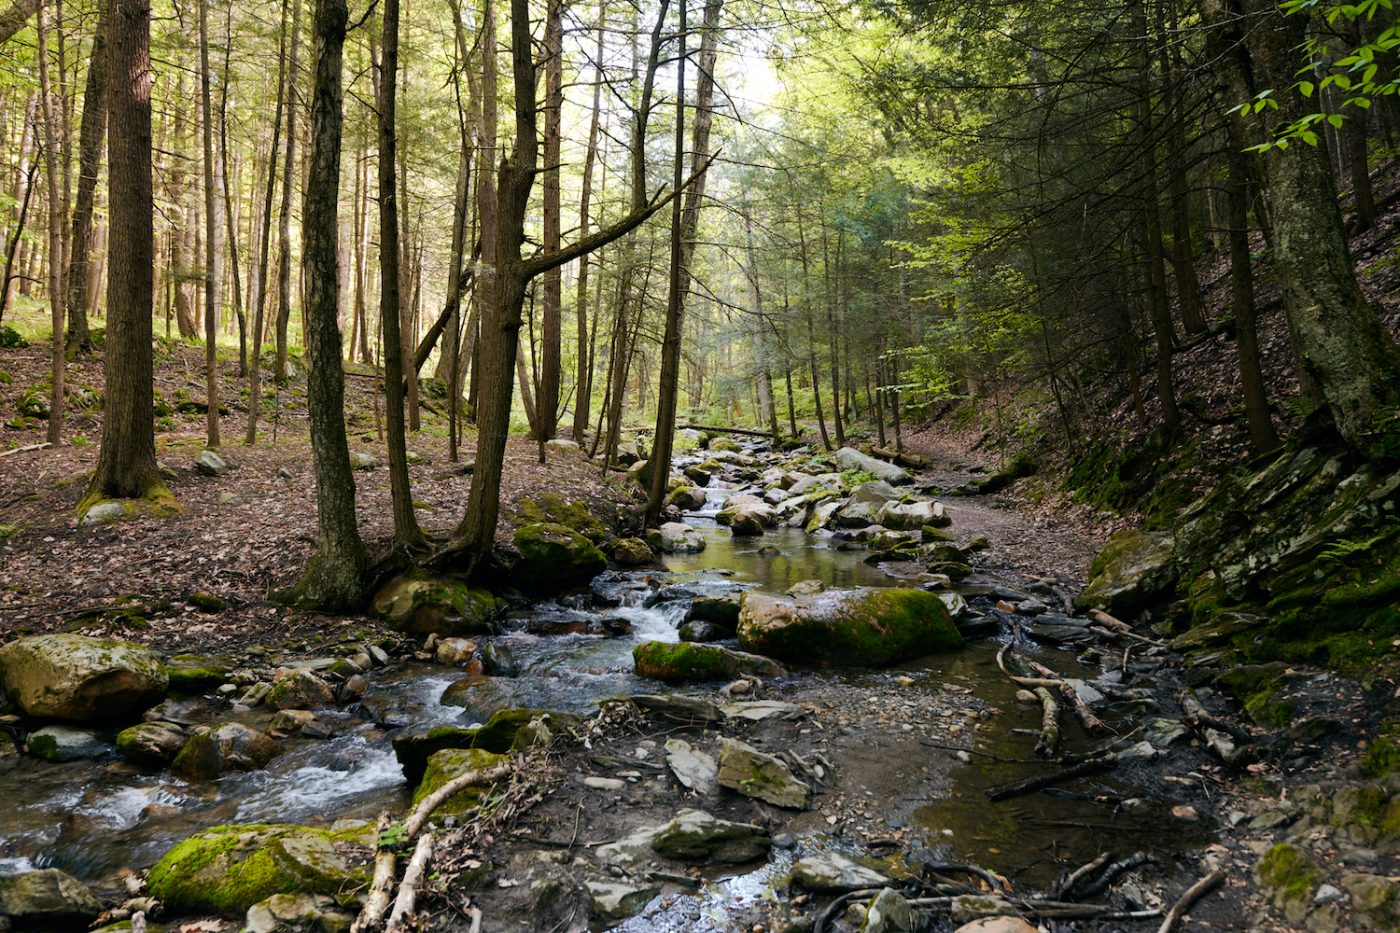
<point>752,773</point>
<point>870,626</point>
<point>47,899</point>
<point>62,676</point>
<point>692,662</point>
<point>228,869</point>
<point>230,746</point>
<point>419,603</point>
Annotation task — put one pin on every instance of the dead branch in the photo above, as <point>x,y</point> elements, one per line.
<point>1188,899</point>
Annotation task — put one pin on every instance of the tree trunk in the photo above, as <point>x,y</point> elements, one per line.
<point>213,251</point>
<point>24,194</point>
<point>57,210</point>
<point>583,382</point>
<point>284,220</point>
<point>231,214</point>
<point>126,462</point>
<point>1256,401</point>
<point>90,136</point>
<point>335,577</point>
<point>551,376</point>
<point>16,17</point>
<point>406,531</point>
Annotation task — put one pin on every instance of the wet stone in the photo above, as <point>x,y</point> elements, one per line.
<point>752,773</point>
<point>834,873</point>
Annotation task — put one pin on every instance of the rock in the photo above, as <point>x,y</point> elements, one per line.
<point>230,746</point>
<point>359,460</point>
<point>151,744</point>
<point>478,694</point>
<point>454,650</point>
<point>1006,924</point>
<point>833,873</point>
<point>632,552</point>
<point>228,869</point>
<point>679,708</point>
<point>955,604</point>
<point>47,899</point>
<point>911,516</point>
<point>746,524</point>
<point>703,632</point>
<point>806,588</point>
<point>1133,569</point>
<point>209,463</point>
<point>450,763</point>
<point>862,627</point>
<point>64,743</point>
<point>103,513</point>
<point>687,498</point>
<point>64,676</point>
<point>190,673</point>
<point>300,690</point>
<point>690,662</point>
<point>697,474</point>
<point>822,515</point>
<point>721,610</point>
<point>888,912</point>
<point>696,770</point>
<point>596,782</point>
<point>554,558</point>
<point>294,913</point>
<point>696,836</point>
<point>498,660</point>
<point>292,720</point>
<point>418,603</point>
<point>752,773</point>
<point>614,901</point>
<point>1328,893</point>
<point>562,444</point>
<point>851,459</point>
<point>759,710</point>
<point>680,538</point>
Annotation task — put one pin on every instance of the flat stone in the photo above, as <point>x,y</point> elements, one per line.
<point>696,770</point>
<point>888,912</point>
<point>759,710</point>
<point>696,836</point>
<point>614,901</point>
<point>209,463</point>
<point>597,782</point>
<point>833,873</point>
<point>47,899</point>
<point>752,773</point>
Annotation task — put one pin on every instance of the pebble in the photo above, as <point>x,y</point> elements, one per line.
<point>1328,893</point>
<point>1185,812</point>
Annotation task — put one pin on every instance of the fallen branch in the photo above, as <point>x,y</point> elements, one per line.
<point>1091,723</point>
<point>385,865</point>
<point>416,820</point>
<point>25,449</point>
<point>1197,717</point>
<point>1131,636</point>
<point>1007,791</point>
<point>718,430</point>
<point>1188,899</point>
<point>835,906</point>
<point>1113,871</point>
<point>1108,621</point>
<point>408,888</point>
<point>1049,723</point>
<point>1045,910</point>
<point>1079,873</point>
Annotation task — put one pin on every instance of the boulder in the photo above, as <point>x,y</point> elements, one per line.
<point>296,913</point>
<point>888,912</point>
<point>687,498</point>
<point>680,538</point>
<point>912,516</point>
<point>692,662</point>
<point>752,773</point>
<point>1133,569</point>
<point>300,689</point>
<point>554,558</point>
<point>498,660</point>
<point>862,627</point>
<point>703,632</point>
<point>851,459</point>
<point>696,836</point>
<point>823,514</point>
<point>632,552</point>
<point>151,744</point>
<point>864,506</point>
<point>418,603</point>
<point>209,463</point>
<point>65,743</point>
<point>614,901</point>
<point>697,474</point>
<point>479,695</point>
<point>833,873</point>
<point>746,524</point>
<point>720,610</point>
<point>696,770</point>
<point>103,513</point>
<point>449,764</point>
<point>230,746</point>
<point>62,676</point>
<point>574,514</point>
<point>359,460</point>
<point>47,899</point>
<point>228,869</point>
<point>454,650</point>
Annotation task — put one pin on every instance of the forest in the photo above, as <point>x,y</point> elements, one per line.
<point>699,465</point>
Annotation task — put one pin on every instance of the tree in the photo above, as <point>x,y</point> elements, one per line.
<point>213,249</point>
<point>91,131</point>
<point>57,211</point>
<point>583,381</point>
<point>547,407</point>
<point>126,462</point>
<point>335,577</point>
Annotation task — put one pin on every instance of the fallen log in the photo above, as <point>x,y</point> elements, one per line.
<point>1031,785</point>
<point>24,450</point>
<point>746,432</point>
<point>1188,899</point>
<point>901,458</point>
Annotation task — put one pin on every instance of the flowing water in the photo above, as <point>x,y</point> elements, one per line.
<point>93,818</point>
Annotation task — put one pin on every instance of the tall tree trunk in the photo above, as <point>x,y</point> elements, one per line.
<point>57,212</point>
<point>551,353</point>
<point>583,381</point>
<point>406,531</point>
<point>24,194</point>
<point>16,18</point>
<point>284,220</point>
<point>213,249</point>
<point>335,577</point>
<point>231,215</point>
<point>90,136</point>
<point>832,336</point>
<point>126,462</point>
<point>1256,401</point>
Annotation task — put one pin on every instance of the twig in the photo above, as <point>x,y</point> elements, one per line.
<point>1049,724</point>
<point>1074,877</point>
<point>408,888</point>
<point>1007,791</point>
<point>1187,900</point>
<point>1113,871</point>
<point>25,449</point>
<point>416,820</point>
<point>385,865</point>
<point>835,906</point>
<point>1086,717</point>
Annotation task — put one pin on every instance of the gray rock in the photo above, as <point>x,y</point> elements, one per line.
<point>806,588</point>
<point>613,901</point>
<point>300,690</point>
<point>833,873</point>
<point>680,538</point>
<point>498,660</point>
<point>285,913</point>
<point>64,676</point>
<point>359,460</point>
<point>1328,893</point>
<point>695,769</point>
<point>911,516</point>
<point>65,743</point>
<point>103,513</point>
<point>851,459</point>
<point>46,899</point>
<point>1134,568</point>
<point>230,746</point>
<point>152,744</point>
<point>209,463</point>
<point>696,836</point>
<point>752,773</point>
<point>888,912</point>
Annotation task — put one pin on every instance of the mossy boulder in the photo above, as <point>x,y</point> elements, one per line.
<point>554,557</point>
<point>227,869</point>
<point>574,514</point>
<point>448,764</point>
<point>419,603</point>
<point>720,610</point>
<point>1133,569</point>
<point>301,689</point>
<point>1290,877</point>
<point>415,747</point>
<point>229,746</point>
<point>868,627</point>
<point>687,498</point>
<point>691,662</point>
<point>63,676</point>
<point>151,744</point>
<point>632,552</point>
<point>190,673</point>
<point>46,899</point>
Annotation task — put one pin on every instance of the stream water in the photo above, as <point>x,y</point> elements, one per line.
<point>93,818</point>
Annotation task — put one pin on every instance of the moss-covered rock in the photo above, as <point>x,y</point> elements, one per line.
<point>449,763</point>
<point>574,514</point>
<point>554,558</point>
<point>419,603</point>
<point>1290,876</point>
<point>414,747</point>
<point>63,676</point>
<point>862,627</point>
<point>151,744</point>
<point>692,662</point>
<point>190,673</point>
<point>47,899</point>
<point>632,552</point>
<point>229,746</point>
<point>227,869</point>
<point>1133,569</point>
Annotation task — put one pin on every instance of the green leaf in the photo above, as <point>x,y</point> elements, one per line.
<point>1306,88</point>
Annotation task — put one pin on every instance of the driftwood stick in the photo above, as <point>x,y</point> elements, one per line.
<point>385,867</point>
<point>1113,871</point>
<point>1091,723</point>
<point>1108,621</point>
<point>1074,877</point>
<point>1093,766</point>
<point>475,914</point>
<point>835,906</point>
<point>1188,899</point>
<point>1131,636</point>
<point>1049,723</point>
<point>419,817</point>
<point>407,898</point>
<point>25,449</point>
<point>1197,717</point>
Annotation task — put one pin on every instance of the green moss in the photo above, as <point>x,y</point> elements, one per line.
<point>574,514</point>
<point>447,764</point>
<point>873,627</point>
<point>1256,688</point>
<point>205,602</point>
<point>554,557</point>
<point>683,662</point>
<point>1383,754</point>
<point>1021,466</point>
<point>1287,870</point>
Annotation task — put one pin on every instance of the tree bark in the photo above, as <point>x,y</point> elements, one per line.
<point>1256,401</point>
<point>16,17</point>
<point>126,462</point>
<point>583,381</point>
<point>284,221</point>
<point>551,376</point>
<point>213,249</point>
<point>91,132</point>
<point>57,210</point>
<point>335,577</point>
